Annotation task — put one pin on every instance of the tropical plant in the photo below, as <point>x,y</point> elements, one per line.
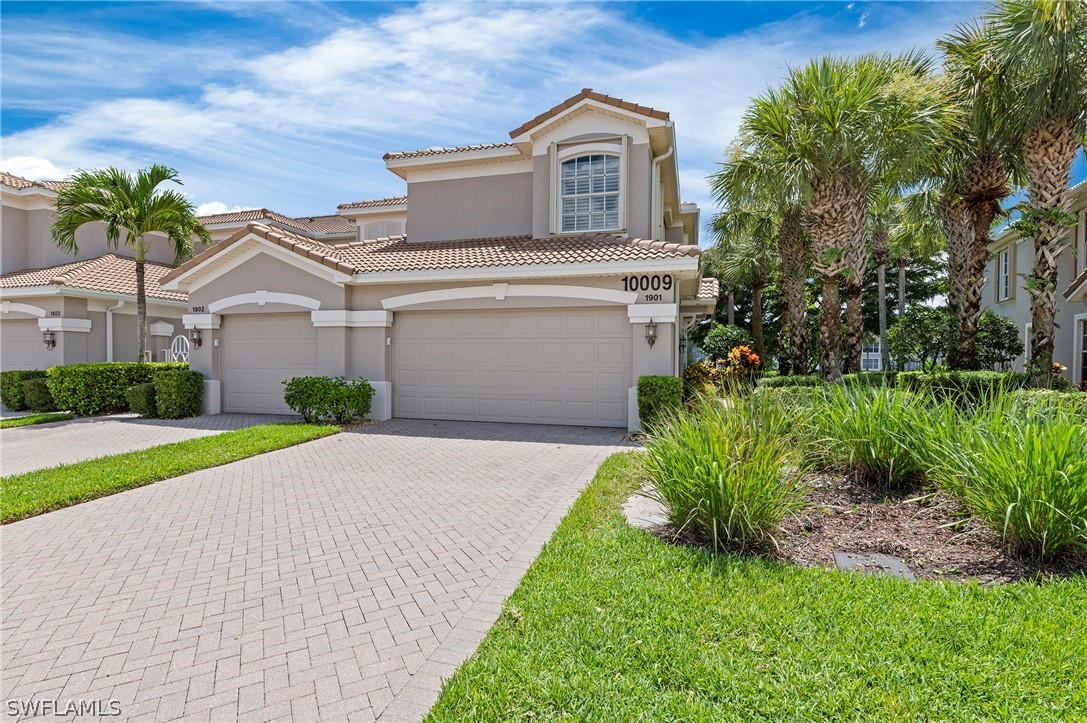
<point>998,340</point>
<point>133,206</point>
<point>722,339</point>
<point>1038,55</point>
<point>747,260</point>
<point>837,127</point>
<point>922,335</point>
<point>727,476</point>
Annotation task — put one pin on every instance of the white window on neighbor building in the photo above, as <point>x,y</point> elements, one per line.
<point>871,361</point>
<point>589,193</point>
<point>1004,275</point>
<point>869,364</point>
<point>381,229</point>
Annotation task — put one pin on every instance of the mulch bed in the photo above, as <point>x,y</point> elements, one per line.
<point>929,530</point>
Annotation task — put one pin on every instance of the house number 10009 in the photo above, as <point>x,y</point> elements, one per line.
<point>645,282</point>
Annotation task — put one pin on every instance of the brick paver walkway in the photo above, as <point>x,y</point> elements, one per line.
<point>337,580</point>
<point>23,449</point>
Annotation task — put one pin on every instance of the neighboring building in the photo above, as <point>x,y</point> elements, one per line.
<point>871,358</point>
<point>537,280</point>
<point>1005,293</point>
<point>85,303</point>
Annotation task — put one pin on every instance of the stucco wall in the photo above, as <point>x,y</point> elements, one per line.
<point>268,274</point>
<point>12,239</point>
<point>467,208</point>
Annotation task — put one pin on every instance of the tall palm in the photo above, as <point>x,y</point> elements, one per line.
<point>1039,54</point>
<point>132,206</point>
<point>974,171</point>
<point>761,201</point>
<point>837,127</point>
<point>748,260</point>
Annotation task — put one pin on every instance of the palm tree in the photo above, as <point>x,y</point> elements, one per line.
<point>134,206</point>
<point>836,128</point>
<point>762,202</point>
<point>884,212</point>
<point>746,256</point>
<point>1038,49</point>
<point>915,232</point>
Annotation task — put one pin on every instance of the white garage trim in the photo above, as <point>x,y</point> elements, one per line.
<point>658,313</point>
<point>502,291</point>
<point>60,324</point>
<point>201,321</point>
<point>9,306</point>
<point>260,298</point>
<point>354,319</point>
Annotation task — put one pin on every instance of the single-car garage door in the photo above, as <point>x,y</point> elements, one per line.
<point>555,366</point>
<point>21,345</point>
<point>260,352</point>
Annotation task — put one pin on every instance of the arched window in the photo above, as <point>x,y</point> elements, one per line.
<point>589,193</point>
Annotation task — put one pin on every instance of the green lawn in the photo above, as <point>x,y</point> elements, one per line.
<point>36,419</point>
<point>611,623</point>
<point>33,493</point>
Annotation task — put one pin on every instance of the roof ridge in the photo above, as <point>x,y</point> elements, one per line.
<point>385,201</point>
<point>63,278</point>
<point>441,150</point>
<point>590,94</point>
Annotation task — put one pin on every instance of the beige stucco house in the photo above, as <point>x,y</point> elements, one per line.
<point>1005,292</point>
<point>532,280</point>
<point>85,303</point>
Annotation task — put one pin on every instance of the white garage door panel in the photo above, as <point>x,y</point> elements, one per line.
<point>21,345</point>
<point>563,366</point>
<point>260,352</point>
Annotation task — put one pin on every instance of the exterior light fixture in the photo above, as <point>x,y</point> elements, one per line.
<point>651,333</point>
<point>194,337</point>
<point>50,339</point>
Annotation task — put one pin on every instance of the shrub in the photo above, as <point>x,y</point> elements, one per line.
<point>657,397</point>
<point>36,395</point>
<point>722,339</point>
<point>797,380</point>
<point>998,340</point>
<point>1074,403</point>
<point>329,397</point>
<point>1025,474</point>
<point>922,335</point>
<point>141,399</point>
<point>971,387</point>
<point>870,379</point>
<point>728,476</point>
<point>871,432</point>
<point>742,362</point>
<point>179,393</point>
<point>700,379</point>
<point>11,387</point>
<point>100,388</point>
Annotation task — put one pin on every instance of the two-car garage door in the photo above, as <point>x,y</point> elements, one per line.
<point>555,366</point>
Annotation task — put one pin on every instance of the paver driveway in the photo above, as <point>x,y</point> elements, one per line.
<point>336,580</point>
<point>23,449</point>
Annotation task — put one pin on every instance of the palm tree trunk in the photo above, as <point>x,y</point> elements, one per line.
<point>792,247</point>
<point>881,279</point>
<point>141,302</point>
<point>1048,151</point>
<point>830,330</point>
<point>731,308</point>
<point>756,320</point>
<point>854,327</point>
<point>901,287</point>
<point>958,224</point>
<point>856,261</point>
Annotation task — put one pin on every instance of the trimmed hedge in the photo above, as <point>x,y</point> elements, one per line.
<point>969,386</point>
<point>1072,402</point>
<point>141,399</point>
<point>11,387</point>
<point>870,379</point>
<point>796,380</point>
<point>100,388</point>
<point>657,397</point>
<point>334,398</point>
<point>179,393</point>
<point>36,395</point>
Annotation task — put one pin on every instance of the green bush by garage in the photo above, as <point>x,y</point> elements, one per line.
<point>12,390</point>
<point>337,398</point>
<point>100,388</point>
<point>658,396</point>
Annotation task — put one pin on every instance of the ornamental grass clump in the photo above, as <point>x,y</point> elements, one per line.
<point>728,476</point>
<point>876,433</point>
<point>1022,468</point>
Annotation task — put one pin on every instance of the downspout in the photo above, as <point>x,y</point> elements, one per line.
<point>653,191</point>
<point>109,329</point>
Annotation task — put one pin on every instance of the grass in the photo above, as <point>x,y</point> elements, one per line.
<point>729,476</point>
<point>611,623</point>
<point>33,493</point>
<point>36,419</point>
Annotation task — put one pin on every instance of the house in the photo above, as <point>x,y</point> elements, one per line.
<point>83,305</point>
<point>530,280</point>
<point>1011,257</point>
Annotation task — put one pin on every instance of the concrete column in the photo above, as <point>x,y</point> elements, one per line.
<point>206,359</point>
<point>332,351</point>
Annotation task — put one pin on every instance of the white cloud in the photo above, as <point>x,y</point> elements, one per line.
<point>864,20</point>
<point>36,169</point>
<point>213,207</point>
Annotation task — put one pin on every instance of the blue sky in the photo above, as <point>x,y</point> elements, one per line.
<point>291,105</point>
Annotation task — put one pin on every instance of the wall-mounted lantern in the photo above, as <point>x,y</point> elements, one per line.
<point>194,337</point>
<point>651,333</point>
<point>50,339</point>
